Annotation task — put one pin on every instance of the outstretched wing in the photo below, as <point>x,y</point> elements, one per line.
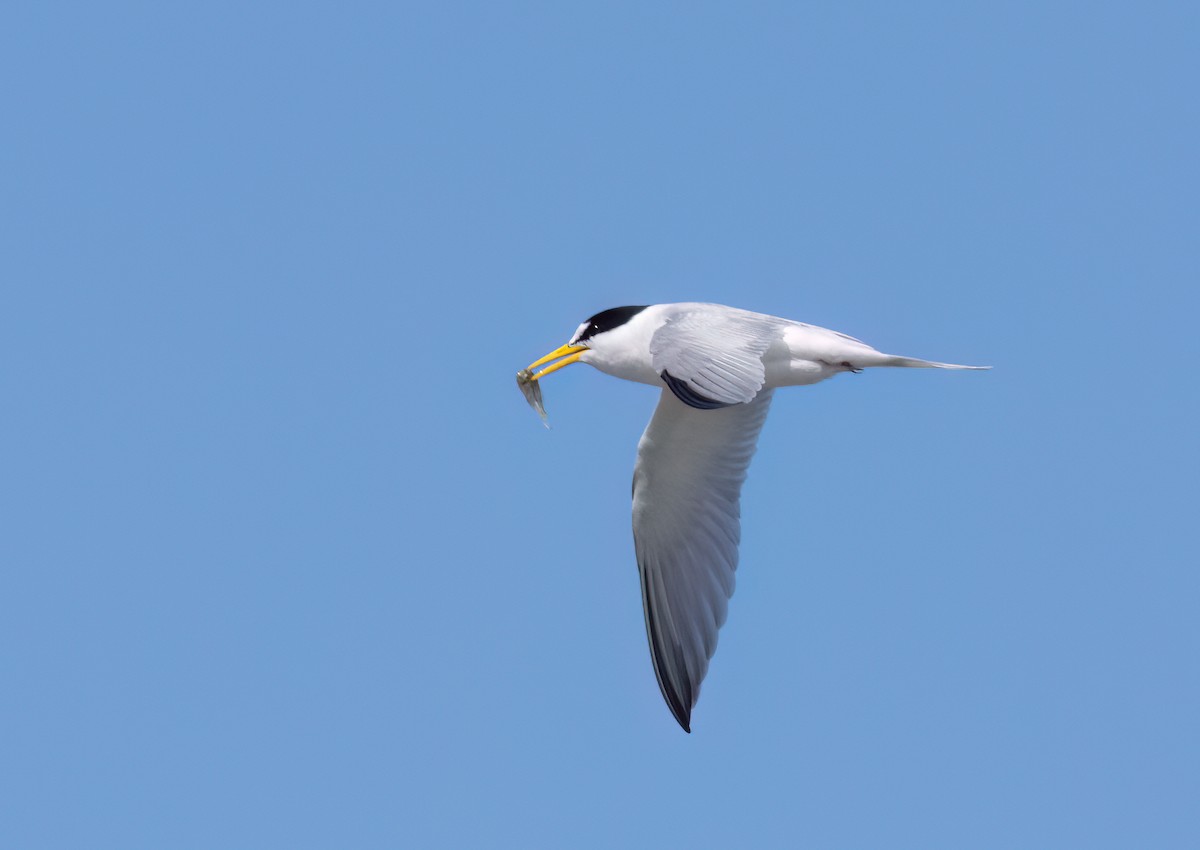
<point>686,526</point>
<point>712,358</point>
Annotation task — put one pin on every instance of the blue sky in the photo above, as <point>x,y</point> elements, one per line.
<point>288,562</point>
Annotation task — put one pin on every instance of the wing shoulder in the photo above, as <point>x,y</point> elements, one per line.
<point>713,354</point>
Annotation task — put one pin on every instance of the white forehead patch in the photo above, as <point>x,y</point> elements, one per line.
<point>578,333</point>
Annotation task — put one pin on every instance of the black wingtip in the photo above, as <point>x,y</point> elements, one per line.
<point>678,696</point>
<point>682,716</point>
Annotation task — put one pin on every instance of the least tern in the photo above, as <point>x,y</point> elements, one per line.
<point>718,367</point>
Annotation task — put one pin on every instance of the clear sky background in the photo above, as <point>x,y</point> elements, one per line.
<point>287,562</point>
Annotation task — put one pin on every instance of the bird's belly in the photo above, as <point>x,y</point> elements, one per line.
<point>787,368</point>
<point>795,373</point>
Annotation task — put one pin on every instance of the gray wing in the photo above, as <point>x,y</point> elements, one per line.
<point>686,526</point>
<point>712,356</point>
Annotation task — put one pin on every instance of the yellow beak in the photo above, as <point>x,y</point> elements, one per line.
<point>569,353</point>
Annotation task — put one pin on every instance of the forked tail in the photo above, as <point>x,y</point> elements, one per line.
<point>892,360</point>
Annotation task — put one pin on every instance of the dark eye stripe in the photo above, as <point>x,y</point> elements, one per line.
<point>609,319</point>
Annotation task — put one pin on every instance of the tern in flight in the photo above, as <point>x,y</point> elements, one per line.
<point>718,367</point>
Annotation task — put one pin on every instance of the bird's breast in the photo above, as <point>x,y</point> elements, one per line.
<point>628,366</point>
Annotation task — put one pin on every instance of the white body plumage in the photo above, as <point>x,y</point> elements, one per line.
<point>793,353</point>
<point>718,367</point>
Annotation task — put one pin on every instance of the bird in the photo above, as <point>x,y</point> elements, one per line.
<point>718,368</point>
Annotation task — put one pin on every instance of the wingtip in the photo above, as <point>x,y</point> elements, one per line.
<point>684,719</point>
<point>680,711</point>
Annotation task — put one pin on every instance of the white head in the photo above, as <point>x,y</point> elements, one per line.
<point>607,340</point>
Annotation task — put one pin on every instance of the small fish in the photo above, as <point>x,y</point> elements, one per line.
<point>533,393</point>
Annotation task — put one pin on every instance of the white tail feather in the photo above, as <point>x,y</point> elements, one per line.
<point>892,360</point>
